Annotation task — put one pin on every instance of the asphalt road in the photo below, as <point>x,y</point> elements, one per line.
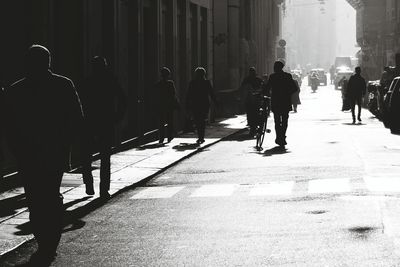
<point>330,199</point>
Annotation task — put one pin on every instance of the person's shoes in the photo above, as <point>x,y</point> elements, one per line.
<point>359,119</point>
<point>200,141</point>
<point>105,195</point>
<point>354,121</point>
<point>89,189</point>
<point>161,141</point>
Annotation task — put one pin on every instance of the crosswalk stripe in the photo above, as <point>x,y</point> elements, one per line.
<point>219,190</point>
<point>328,186</point>
<point>158,192</point>
<point>272,189</point>
<point>382,184</point>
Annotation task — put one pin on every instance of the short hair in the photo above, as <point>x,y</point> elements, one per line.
<point>38,56</point>
<point>99,61</point>
<point>165,71</point>
<point>252,69</point>
<point>358,69</point>
<point>200,71</point>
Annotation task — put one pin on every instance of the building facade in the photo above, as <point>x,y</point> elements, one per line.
<point>378,29</point>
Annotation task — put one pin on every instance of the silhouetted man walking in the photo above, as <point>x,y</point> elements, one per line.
<point>356,89</point>
<point>281,86</point>
<point>43,112</point>
<point>104,105</point>
<point>166,103</point>
<point>198,101</point>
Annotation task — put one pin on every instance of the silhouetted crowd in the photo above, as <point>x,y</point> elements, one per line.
<point>46,117</point>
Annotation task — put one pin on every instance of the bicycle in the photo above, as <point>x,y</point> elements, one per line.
<point>263,114</point>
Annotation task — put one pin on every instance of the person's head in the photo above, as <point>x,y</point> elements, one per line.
<point>386,68</point>
<point>200,73</point>
<point>99,64</point>
<point>252,72</point>
<point>37,60</point>
<point>358,70</point>
<point>278,66</point>
<point>165,73</point>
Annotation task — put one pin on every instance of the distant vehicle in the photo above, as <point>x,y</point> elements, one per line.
<point>392,106</point>
<point>322,76</point>
<point>340,74</point>
<point>343,62</point>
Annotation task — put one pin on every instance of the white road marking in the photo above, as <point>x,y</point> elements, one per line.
<point>273,189</point>
<point>328,186</point>
<point>220,190</point>
<point>158,192</point>
<point>382,184</point>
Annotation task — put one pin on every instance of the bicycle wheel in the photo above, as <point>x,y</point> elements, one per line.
<point>260,135</point>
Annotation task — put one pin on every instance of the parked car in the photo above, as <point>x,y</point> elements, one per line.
<point>392,107</point>
<point>322,76</point>
<point>340,74</point>
<point>373,98</point>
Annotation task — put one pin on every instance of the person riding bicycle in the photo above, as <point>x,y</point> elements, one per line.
<point>252,85</point>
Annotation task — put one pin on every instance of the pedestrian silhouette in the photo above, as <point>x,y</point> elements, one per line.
<point>281,86</point>
<point>166,103</point>
<point>43,113</point>
<point>104,105</point>
<point>295,98</point>
<point>251,85</point>
<point>198,101</point>
<point>345,99</point>
<point>356,89</point>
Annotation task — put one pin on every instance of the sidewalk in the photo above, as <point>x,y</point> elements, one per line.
<point>128,168</point>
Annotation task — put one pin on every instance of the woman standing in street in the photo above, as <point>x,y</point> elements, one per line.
<point>198,101</point>
<point>296,96</point>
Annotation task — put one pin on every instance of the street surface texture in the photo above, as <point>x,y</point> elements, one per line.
<point>330,199</point>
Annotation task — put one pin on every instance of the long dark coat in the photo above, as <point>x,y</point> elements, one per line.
<point>282,86</point>
<point>165,93</point>
<point>42,117</point>
<point>198,96</point>
<point>103,100</point>
<point>356,87</point>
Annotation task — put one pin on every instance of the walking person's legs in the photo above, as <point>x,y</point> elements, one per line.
<point>45,211</point>
<point>170,126</point>
<point>278,128</point>
<point>161,129</point>
<point>359,102</point>
<point>285,119</point>
<point>105,142</point>
<point>200,122</point>
<point>353,107</point>
<point>86,152</point>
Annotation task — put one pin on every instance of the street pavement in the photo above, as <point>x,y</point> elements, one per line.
<point>128,168</point>
<point>331,198</point>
